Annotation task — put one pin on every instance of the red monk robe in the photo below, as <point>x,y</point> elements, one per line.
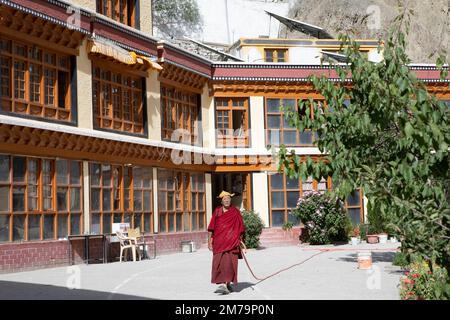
<point>227,229</point>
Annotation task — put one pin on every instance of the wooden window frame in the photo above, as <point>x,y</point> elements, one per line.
<point>126,213</point>
<point>300,190</point>
<point>24,105</point>
<point>128,11</point>
<point>227,105</point>
<point>182,190</point>
<point>281,128</point>
<point>180,109</point>
<point>275,51</point>
<point>40,211</point>
<point>103,100</point>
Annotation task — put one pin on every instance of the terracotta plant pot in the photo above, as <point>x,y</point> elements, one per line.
<point>372,238</point>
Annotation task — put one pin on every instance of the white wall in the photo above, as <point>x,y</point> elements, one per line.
<point>246,19</point>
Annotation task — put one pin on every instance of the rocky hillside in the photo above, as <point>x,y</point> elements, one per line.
<point>430,23</point>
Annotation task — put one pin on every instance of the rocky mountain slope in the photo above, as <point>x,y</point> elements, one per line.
<point>430,23</point>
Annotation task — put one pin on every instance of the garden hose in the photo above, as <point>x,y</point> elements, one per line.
<point>321,250</point>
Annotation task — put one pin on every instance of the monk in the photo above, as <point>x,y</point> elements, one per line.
<point>226,231</point>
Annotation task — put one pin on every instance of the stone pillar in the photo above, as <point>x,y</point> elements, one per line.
<point>208,195</point>
<point>258,140</point>
<point>155,201</point>
<point>153,106</point>
<point>86,198</point>
<point>84,88</point>
<point>260,191</point>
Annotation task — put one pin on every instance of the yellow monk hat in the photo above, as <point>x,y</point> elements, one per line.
<point>224,193</point>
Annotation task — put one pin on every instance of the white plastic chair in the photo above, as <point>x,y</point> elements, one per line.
<point>127,243</point>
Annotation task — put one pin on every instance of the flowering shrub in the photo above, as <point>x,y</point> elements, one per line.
<point>324,217</point>
<point>420,283</point>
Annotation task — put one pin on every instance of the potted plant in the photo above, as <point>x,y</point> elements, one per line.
<point>372,236</point>
<point>354,236</point>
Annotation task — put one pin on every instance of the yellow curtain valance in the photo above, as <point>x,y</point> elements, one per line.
<point>119,54</point>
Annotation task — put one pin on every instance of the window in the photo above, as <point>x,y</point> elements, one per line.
<point>121,194</point>
<point>34,81</point>
<point>284,194</point>
<point>180,110</point>
<point>122,11</point>
<point>278,129</point>
<point>232,122</point>
<point>117,101</point>
<point>181,201</point>
<point>354,205</point>
<point>40,199</point>
<point>276,55</point>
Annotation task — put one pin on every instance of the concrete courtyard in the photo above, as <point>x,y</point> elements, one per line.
<point>186,276</point>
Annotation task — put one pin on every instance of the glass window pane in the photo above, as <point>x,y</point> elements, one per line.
<point>147,222</point>
<point>18,227</point>
<point>137,221</point>
<point>19,169</point>
<point>18,199</point>
<point>277,199</point>
<point>292,198</point>
<point>95,223</point>
<point>306,137</point>
<point>95,174</point>
<point>32,197</point>
<point>75,224</point>
<point>276,181</point>
<point>277,218</point>
<point>273,122</point>
<point>273,105</point>
<point>290,137</point>
<point>274,137</point>
<point>179,221</point>
<point>162,222</point>
<point>106,199</point>
<point>201,219</point>
<point>4,227</point>
<point>49,226</point>
<point>106,175</point>
<point>147,201</point>
<point>292,183</point>
<point>4,168</point>
<point>194,223</point>
<point>186,219</point>
<point>355,216</point>
<point>75,172</point>
<point>75,199</point>
<point>95,201</point>
<point>138,201</point>
<point>107,223</point>
<point>4,199</point>
<point>171,218</point>
<point>61,194</point>
<point>34,227</point>
<point>62,171</point>
<point>353,199</point>
<point>62,226</point>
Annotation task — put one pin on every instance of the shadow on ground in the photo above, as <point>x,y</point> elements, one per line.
<point>241,286</point>
<point>376,257</point>
<point>29,291</point>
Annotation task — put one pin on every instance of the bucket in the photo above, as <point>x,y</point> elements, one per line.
<point>187,246</point>
<point>364,260</point>
<point>382,238</point>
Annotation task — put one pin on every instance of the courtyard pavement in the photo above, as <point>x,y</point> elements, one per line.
<point>186,276</point>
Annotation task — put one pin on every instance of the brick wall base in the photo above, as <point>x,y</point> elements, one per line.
<point>27,256</point>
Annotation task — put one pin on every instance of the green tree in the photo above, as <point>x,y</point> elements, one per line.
<point>176,18</point>
<point>391,138</point>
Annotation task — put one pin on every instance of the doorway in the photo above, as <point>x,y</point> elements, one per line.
<point>237,183</point>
